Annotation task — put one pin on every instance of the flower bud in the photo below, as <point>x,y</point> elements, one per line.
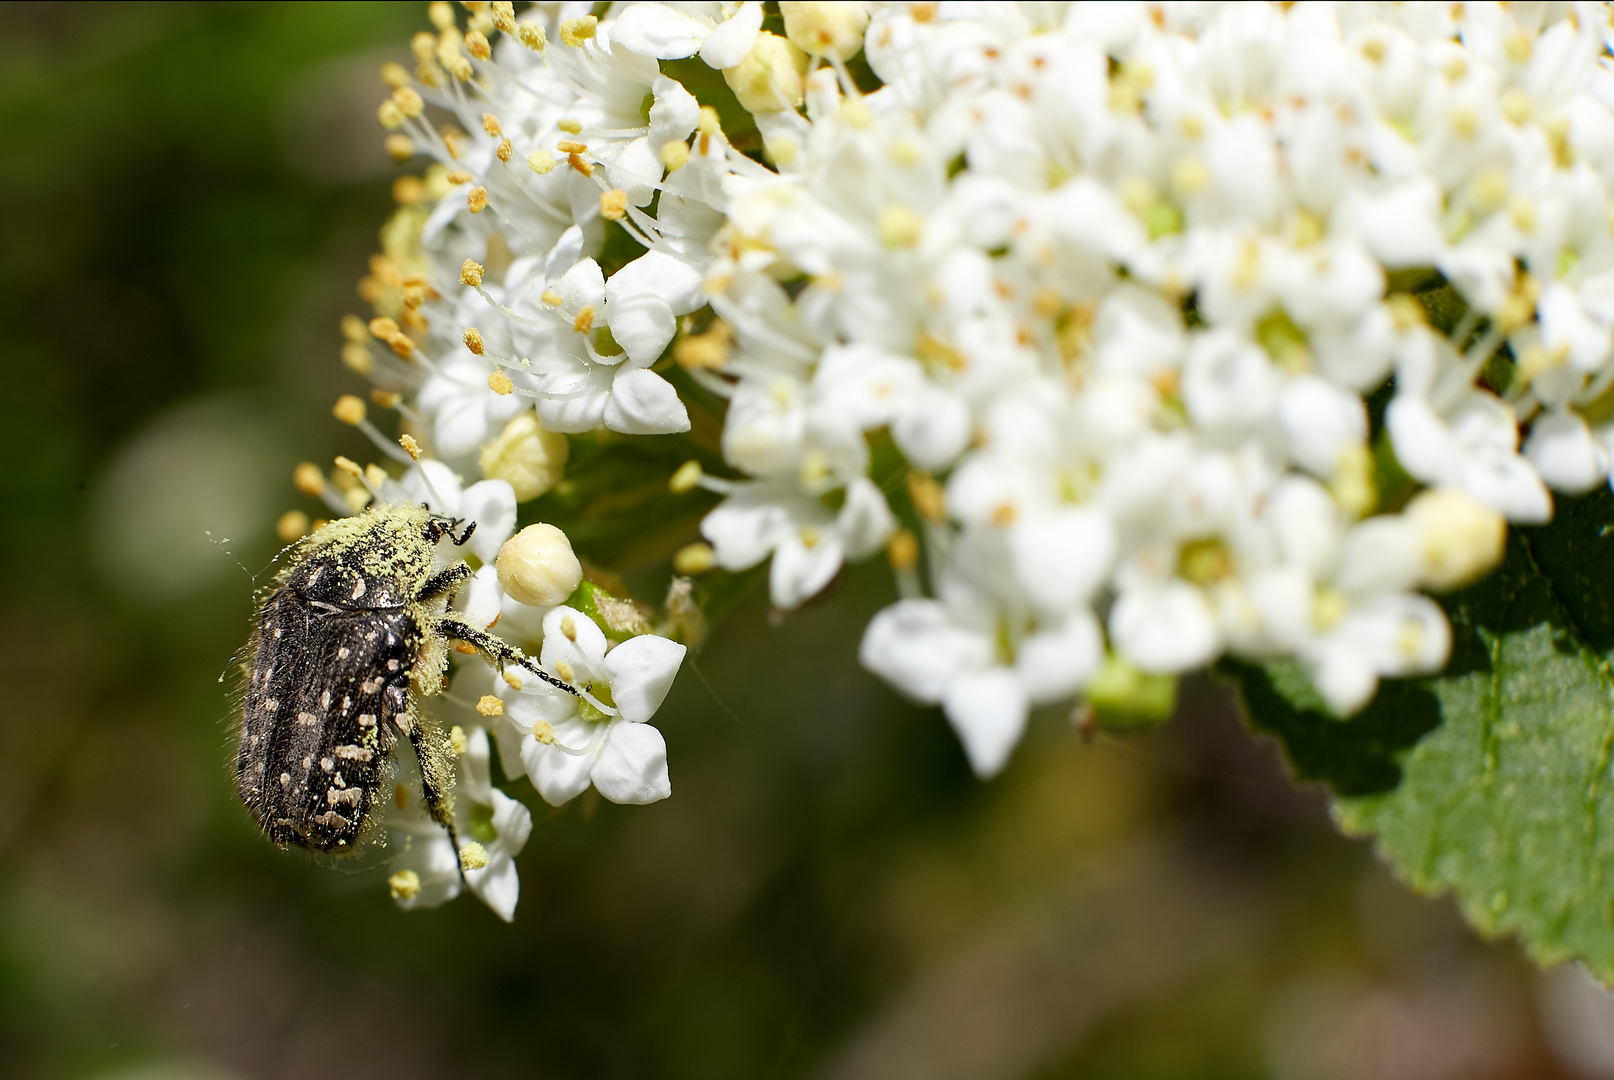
<point>531,459</point>
<point>771,77</point>
<point>1462,538</point>
<point>537,567</point>
<point>825,29</point>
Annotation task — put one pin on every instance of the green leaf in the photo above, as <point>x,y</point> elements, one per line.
<point>1491,781</point>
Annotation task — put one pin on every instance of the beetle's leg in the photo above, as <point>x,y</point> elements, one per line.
<point>445,582</point>
<point>436,778</point>
<point>495,649</point>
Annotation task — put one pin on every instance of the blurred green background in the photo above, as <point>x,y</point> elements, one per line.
<point>188,193</point>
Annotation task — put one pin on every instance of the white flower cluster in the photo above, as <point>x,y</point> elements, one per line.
<point>1171,330</point>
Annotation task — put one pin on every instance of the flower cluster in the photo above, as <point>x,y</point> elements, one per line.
<point>1135,334</point>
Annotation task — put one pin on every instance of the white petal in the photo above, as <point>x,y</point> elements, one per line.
<point>1055,663</point>
<point>581,286</point>
<point>1423,444</point>
<point>558,776</point>
<point>497,885</point>
<point>461,425</point>
<point>642,324</point>
<point>636,169</point>
<point>914,645</point>
<point>563,256</point>
<point>512,821</point>
<point>509,737</point>
<point>641,671</point>
<point>434,859</point>
<point>799,571</point>
<point>1562,449</point>
<point>573,639</point>
<point>745,528</point>
<point>988,710</point>
<point>1320,419</point>
<point>659,274</point>
<point>727,45</point>
<point>1062,557</point>
<point>481,598</point>
<point>865,521</point>
<point>658,30</point>
<point>643,403</point>
<point>934,429</point>
<point>1165,628</point>
<point>632,766</point>
<point>492,505</point>
<point>1345,680</point>
<point>674,114</point>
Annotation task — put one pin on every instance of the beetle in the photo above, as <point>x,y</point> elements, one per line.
<point>354,633</point>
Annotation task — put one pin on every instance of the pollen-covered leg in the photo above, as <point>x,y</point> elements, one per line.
<point>436,776</point>
<point>495,649</point>
<point>445,582</point>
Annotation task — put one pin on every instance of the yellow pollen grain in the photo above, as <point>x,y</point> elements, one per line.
<point>405,884</point>
<point>410,446</point>
<point>476,200</point>
<point>674,154</point>
<point>471,273</point>
<point>902,550</point>
<point>614,204</point>
<point>473,340</point>
<point>693,559</point>
<point>1004,515</point>
<point>292,526</point>
<point>500,384</point>
<point>541,162</point>
<point>473,856</point>
<point>488,705</point>
<point>574,32</point>
<point>476,43</point>
<point>585,319</point>
<point>465,650</point>
<point>309,479</point>
<point>349,410</point>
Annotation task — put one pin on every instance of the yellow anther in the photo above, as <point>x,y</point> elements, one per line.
<point>687,478</point>
<point>471,273</point>
<point>614,204</point>
<point>1190,175</point>
<point>574,32</point>
<point>1405,312</point>
<point>453,142</point>
<point>490,124</point>
<point>402,345</point>
<point>505,150</point>
<point>394,75</point>
<point>1464,121</point>
<point>674,154</point>
<point>541,731</point>
<point>292,526</point>
<point>503,14</point>
<point>476,200</point>
<point>473,340</point>
<point>579,164</point>
<point>541,162</point>
<point>927,496</point>
<point>309,479</point>
<point>405,884</point>
<point>902,550</point>
<point>441,13</point>
<point>410,446</point>
<point>906,153</point>
<point>571,146</point>
<point>349,410</point>
<point>376,475</point>
<point>1518,46</point>
<point>1328,607</point>
<point>473,856</point>
<point>386,399</point>
<point>552,298</point>
<point>709,123</point>
<point>456,738</point>
<point>476,43</point>
<point>1517,106</point>
<point>408,101</point>
<point>488,705</point>
<point>1247,267</point>
<point>569,125</point>
<point>1374,49</point>
<point>357,359</point>
<point>400,148</point>
<point>1490,189</point>
<point>1004,515</point>
<point>708,350</point>
<point>693,559</point>
<point>500,383</point>
<point>899,226</point>
<point>1522,212</point>
<point>424,46</point>
<point>349,466</point>
<point>585,319</point>
<point>1191,126</point>
<point>531,35</point>
<point>856,115</point>
<point>400,796</point>
<point>390,116</point>
<point>456,177</point>
<point>1456,68</point>
<point>354,329</point>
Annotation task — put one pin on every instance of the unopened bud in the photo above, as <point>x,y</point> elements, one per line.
<point>537,566</point>
<point>1463,539</point>
<point>771,78</point>
<point>526,456</point>
<point>692,559</point>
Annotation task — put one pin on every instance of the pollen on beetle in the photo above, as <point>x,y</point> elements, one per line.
<point>405,885</point>
<point>473,856</point>
<point>488,705</point>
